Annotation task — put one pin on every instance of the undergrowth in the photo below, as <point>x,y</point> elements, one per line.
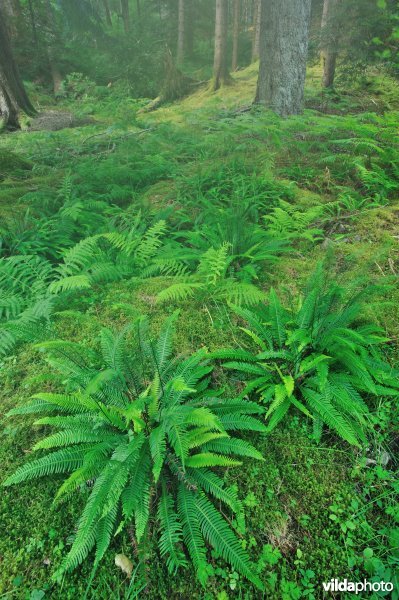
<point>224,214</point>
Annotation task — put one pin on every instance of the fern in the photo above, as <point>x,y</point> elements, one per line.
<point>149,447</point>
<point>26,305</point>
<point>316,359</point>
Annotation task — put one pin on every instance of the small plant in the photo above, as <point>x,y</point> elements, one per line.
<point>25,303</point>
<point>288,221</point>
<point>236,226</point>
<point>109,256</point>
<point>315,358</point>
<point>212,282</point>
<point>146,430</point>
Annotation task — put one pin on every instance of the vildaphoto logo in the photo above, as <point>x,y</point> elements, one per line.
<point>344,585</point>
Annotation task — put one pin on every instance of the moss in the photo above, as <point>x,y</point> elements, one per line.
<point>198,145</point>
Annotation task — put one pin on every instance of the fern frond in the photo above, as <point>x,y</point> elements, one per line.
<point>172,533</point>
<point>222,538</point>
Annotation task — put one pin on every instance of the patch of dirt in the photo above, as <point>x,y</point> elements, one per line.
<point>54,120</point>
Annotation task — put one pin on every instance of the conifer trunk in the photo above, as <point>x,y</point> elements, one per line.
<point>256,30</point>
<point>221,74</point>
<point>125,15</point>
<point>236,34</point>
<point>13,96</point>
<point>107,13</point>
<point>283,54</point>
<point>329,53</point>
<point>190,17</point>
<point>181,32</point>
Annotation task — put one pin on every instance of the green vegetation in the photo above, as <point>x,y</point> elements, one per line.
<point>132,223</point>
<point>199,366</point>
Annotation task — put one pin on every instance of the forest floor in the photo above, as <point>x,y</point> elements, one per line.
<point>314,511</point>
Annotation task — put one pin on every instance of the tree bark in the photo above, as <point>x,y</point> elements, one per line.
<point>33,23</point>
<point>107,13</point>
<point>221,74</point>
<point>256,31</point>
<point>283,54</point>
<point>125,15</point>
<point>236,34</point>
<point>52,36</point>
<point>13,96</point>
<point>176,85</point>
<point>190,18</point>
<point>329,52</point>
<point>12,10</point>
<point>181,37</point>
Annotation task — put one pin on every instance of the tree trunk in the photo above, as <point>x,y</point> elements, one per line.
<point>256,31</point>
<point>190,18</point>
<point>329,53</point>
<point>33,23</point>
<point>236,34</point>
<point>56,75</point>
<point>125,15</point>
<point>12,10</point>
<point>51,53</point>
<point>176,85</point>
<point>8,106</point>
<point>283,54</point>
<point>13,96</point>
<point>181,32</point>
<point>138,9</point>
<point>107,13</point>
<point>221,74</point>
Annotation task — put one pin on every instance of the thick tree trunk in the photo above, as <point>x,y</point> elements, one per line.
<point>236,34</point>
<point>8,106</point>
<point>12,10</point>
<point>329,52</point>
<point>221,74</point>
<point>283,54</point>
<point>107,13</point>
<point>125,15</point>
<point>256,31</point>
<point>181,37</point>
<point>13,96</point>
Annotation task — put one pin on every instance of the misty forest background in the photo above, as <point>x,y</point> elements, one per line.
<point>199,366</point>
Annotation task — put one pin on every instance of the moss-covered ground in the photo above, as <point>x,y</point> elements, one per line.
<point>313,511</point>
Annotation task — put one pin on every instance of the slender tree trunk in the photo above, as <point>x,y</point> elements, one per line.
<point>256,30</point>
<point>236,34</point>
<point>51,53</point>
<point>13,96</point>
<point>329,53</point>
<point>56,75</point>
<point>125,15</point>
<point>181,37</point>
<point>283,54</point>
<point>33,23</point>
<point>107,11</point>
<point>221,74</point>
<point>190,18</point>
<point>138,9</point>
